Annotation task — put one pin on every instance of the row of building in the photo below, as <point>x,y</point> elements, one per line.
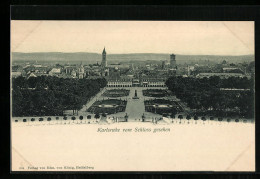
<point>136,82</point>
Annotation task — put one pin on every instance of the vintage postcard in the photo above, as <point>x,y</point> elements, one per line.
<point>132,95</point>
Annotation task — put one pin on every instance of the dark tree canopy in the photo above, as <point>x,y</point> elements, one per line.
<point>97,116</point>
<point>207,95</point>
<point>46,95</point>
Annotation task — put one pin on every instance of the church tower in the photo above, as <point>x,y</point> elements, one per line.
<point>172,61</point>
<point>104,60</point>
<point>173,66</point>
<point>81,71</point>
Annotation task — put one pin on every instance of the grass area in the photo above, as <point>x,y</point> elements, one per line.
<point>116,93</point>
<point>155,93</point>
<point>115,106</point>
<point>109,102</point>
<point>162,106</point>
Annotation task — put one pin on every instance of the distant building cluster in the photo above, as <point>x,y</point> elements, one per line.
<point>130,74</point>
<point>221,75</point>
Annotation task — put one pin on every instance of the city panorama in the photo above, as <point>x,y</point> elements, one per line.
<point>113,88</point>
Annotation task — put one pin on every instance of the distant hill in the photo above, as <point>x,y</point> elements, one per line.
<point>94,57</point>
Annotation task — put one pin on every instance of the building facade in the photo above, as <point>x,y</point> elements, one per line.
<point>221,75</point>
<point>136,82</point>
<point>121,82</point>
<point>153,82</point>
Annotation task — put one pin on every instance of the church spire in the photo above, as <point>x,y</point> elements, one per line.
<point>104,51</point>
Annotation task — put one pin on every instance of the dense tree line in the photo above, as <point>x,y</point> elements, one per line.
<point>46,95</point>
<point>205,95</point>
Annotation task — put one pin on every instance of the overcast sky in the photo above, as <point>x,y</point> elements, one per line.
<point>179,37</point>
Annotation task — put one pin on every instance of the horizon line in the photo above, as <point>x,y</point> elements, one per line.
<point>141,53</point>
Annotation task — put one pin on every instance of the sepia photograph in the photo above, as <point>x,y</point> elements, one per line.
<point>132,95</point>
